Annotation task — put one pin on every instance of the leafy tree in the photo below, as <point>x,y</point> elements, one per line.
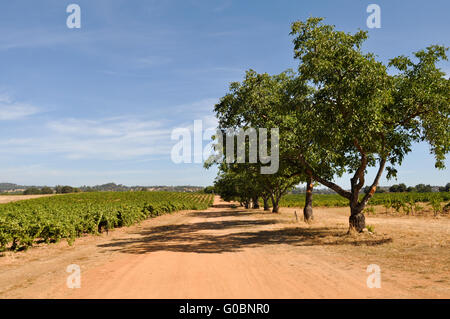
<point>225,186</point>
<point>209,190</point>
<point>256,103</point>
<point>46,190</point>
<point>359,115</point>
<point>66,189</point>
<point>32,191</point>
<point>400,188</point>
<point>445,188</point>
<point>422,188</point>
<point>411,189</point>
<point>235,184</point>
<point>392,189</point>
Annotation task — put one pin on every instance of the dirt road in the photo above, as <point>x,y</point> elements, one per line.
<point>232,253</point>
<point>15,198</point>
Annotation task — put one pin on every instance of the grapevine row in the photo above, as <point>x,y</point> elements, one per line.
<point>51,219</point>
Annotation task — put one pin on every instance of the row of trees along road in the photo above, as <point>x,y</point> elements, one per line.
<point>342,111</point>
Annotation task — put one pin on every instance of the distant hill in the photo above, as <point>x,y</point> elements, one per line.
<point>10,188</point>
<point>112,187</point>
<point>109,187</point>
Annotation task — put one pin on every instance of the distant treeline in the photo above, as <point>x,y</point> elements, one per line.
<point>110,187</point>
<point>397,188</point>
<point>420,188</point>
<point>48,190</point>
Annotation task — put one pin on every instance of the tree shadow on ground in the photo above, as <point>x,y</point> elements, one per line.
<point>226,236</point>
<point>233,213</point>
<point>225,206</point>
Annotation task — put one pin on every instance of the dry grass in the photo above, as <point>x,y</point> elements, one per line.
<point>416,244</point>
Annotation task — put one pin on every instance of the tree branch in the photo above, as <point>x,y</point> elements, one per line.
<point>328,184</point>
<point>359,174</point>
<point>374,185</point>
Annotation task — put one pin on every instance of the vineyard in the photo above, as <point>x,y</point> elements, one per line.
<point>396,201</point>
<point>51,219</point>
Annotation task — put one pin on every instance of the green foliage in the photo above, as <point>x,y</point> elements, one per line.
<point>209,190</point>
<point>32,191</point>
<point>387,203</point>
<point>422,188</point>
<point>398,204</point>
<point>435,203</point>
<point>410,205</point>
<point>46,190</point>
<point>445,188</point>
<point>255,103</point>
<point>400,188</point>
<point>51,219</point>
<point>359,115</point>
<point>370,228</point>
<point>369,210</point>
<point>66,189</point>
<point>343,112</point>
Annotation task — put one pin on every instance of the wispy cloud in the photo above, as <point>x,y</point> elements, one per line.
<point>200,106</point>
<point>12,110</point>
<point>40,38</point>
<point>106,139</point>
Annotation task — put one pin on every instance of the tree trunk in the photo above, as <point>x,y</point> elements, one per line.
<point>255,202</point>
<point>274,205</point>
<point>275,208</point>
<point>308,211</point>
<point>266,203</point>
<point>357,220</point>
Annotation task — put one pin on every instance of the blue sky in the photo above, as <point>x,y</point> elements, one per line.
<point>98,104</point>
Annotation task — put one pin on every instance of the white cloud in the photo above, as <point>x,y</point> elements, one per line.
<point>106,139</point>
<point>11,110</point>
<point>202,106</point>
<point>13,39</point>
<point>199,110</point>
<point>109,139</point>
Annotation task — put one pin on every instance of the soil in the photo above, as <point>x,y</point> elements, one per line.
<point>14,198</point>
